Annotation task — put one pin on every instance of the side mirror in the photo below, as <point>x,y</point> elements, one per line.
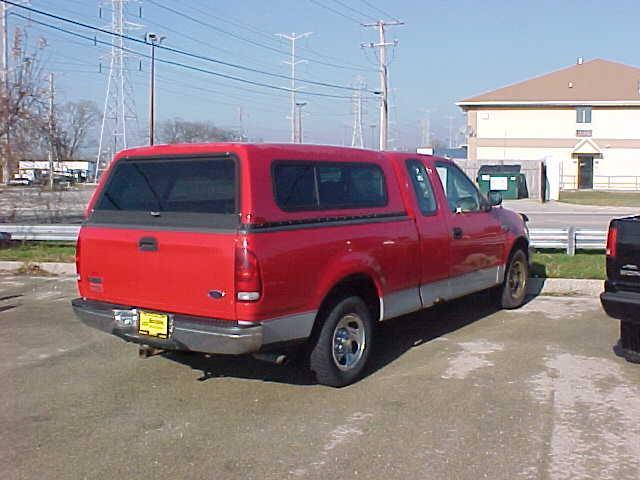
<point>494,198</point>
<point>466,204</point>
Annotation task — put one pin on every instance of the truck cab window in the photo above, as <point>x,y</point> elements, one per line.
<point>422,187</point>
<point>460,191</point>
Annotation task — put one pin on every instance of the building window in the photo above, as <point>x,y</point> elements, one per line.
<point>583,114</point>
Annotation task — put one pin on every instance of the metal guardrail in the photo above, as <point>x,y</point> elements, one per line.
<point>569,239</point>
<point>50,233</point>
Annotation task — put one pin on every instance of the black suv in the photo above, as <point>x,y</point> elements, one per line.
<point>621,298</point>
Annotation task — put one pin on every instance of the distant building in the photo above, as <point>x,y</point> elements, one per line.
<point>78,170</point>
<point>459,153</point>
<point>584,119</point>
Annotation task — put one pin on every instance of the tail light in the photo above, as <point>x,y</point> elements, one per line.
<point>78,259</point>
<point>612,242</point>
<point>248,281</point>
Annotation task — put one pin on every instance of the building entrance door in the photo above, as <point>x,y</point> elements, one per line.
<point>585,172</point>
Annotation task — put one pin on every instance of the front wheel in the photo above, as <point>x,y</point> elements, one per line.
<point>514,287</point>
<point>343,344</point>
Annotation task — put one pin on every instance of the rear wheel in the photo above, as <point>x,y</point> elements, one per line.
<point>343,344</point>
<point>514,287</point>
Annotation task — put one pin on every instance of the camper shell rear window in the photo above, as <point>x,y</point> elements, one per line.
<point>171,191</point>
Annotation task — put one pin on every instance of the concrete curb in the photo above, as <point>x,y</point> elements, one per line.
<point>47,268</point>
<point>536,286</point>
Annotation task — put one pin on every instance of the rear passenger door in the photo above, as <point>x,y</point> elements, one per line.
<point>433,234</point>
<point>476,236</point>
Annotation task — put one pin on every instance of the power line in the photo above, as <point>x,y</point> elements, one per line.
<point>358,12</point>
<point>269,36</point>
<point>244,39</point>
<point>379,10</point>
<point>178,64</point>
<point>337,12</point>
<point>178,51</point>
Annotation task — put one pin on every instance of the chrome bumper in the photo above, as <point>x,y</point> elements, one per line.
<point>189,333</point>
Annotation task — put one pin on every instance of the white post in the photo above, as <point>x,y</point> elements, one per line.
<point>51,149</point>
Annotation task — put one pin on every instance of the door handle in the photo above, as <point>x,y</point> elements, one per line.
<point>457,233</point>
<point>148,244</point>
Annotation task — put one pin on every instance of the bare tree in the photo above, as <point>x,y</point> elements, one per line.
<point>71,126</point>
<point>177,130</point>
<point>22,98</point>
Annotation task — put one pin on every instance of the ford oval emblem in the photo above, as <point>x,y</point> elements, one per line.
<point>216,294</point>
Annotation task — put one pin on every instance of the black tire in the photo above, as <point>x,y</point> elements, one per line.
<point>349,325</point>
<point>630,341</point>
<point>516,278</point>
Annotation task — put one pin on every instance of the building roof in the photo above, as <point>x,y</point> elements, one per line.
<point>591,83</point>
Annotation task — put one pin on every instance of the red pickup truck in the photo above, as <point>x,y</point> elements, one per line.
<point>240,248</point>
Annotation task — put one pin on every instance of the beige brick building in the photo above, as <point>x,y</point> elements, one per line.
<point>584,120</point>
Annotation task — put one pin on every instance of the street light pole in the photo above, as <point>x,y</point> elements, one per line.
<point>299,105</point>
<point>154,39</point>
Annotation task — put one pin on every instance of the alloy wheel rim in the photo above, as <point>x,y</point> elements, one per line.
<point>516,279</point>
<point>349,342</point>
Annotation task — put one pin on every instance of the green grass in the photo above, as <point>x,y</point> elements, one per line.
<point>547,265</point>
<point>609,199</point>
<point>38,252</point>
<point>560,265</point>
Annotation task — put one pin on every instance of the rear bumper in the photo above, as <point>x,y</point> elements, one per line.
<point>189,333</point>
<point>624,306</point>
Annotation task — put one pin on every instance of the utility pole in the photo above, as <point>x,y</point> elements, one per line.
<point>153,39</point>
<point>300,105</point>
<point>384,86</point>
<point>51,127</point>
<point>5,46</point>
<point>292,38</point>
<point>4,151</point>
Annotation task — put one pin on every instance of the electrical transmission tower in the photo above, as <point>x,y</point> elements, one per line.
<point>357,137</point>
<point>119,105</point>
<point>425,129</point>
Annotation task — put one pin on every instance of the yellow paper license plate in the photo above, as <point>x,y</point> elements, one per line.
<point>153,324</point>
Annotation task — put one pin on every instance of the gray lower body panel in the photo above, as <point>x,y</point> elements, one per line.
<point>200,334</point>
<point>414,299</point>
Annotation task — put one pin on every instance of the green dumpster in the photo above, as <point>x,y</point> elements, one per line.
<point>505,179</point>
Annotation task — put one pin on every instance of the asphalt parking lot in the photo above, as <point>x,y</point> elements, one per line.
<point>458,392</point>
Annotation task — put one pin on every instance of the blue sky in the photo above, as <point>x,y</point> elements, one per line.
<point>447,51</point>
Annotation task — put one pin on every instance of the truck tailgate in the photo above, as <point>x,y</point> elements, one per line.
<point>179,275</point>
